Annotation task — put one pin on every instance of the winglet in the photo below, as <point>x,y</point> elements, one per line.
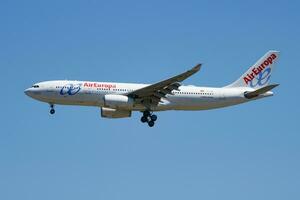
<point>196,68</point>
<point>188,73</point>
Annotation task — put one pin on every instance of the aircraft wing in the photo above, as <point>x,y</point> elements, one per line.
<point>152,94</point>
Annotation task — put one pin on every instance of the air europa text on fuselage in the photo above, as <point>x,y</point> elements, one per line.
<point>99,85</point>
<point>256,70</point>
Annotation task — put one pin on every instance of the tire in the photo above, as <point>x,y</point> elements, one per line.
<point>143,119</point>
<point>151,123</point>
<point>153,118</point>
<point>52,111</point>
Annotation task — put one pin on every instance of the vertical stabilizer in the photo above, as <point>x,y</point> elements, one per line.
<point>259,74</point>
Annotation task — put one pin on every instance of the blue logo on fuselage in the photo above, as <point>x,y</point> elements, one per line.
<point>70,89</point>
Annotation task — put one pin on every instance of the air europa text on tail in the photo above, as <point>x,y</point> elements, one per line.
<point>256,70</point>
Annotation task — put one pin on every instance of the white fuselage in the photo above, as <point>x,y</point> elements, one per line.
<point>88,93</point>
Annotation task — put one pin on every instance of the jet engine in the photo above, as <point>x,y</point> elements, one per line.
<point>117,101</point>
<point>114,113</point>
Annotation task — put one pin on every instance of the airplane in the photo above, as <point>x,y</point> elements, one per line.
<point>119,100</point>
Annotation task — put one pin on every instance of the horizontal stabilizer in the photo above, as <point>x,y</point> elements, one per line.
<point>250,95</point>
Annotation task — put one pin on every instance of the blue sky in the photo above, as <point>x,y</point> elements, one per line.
<point>249,151</point>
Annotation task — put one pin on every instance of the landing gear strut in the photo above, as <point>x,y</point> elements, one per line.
<point>52,111</point>
<point>149,118</point>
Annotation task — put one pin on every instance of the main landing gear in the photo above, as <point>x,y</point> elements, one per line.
<point>52,111</point>
<point>149,118</point>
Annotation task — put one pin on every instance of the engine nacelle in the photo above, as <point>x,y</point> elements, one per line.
<point>117,101</point>
<point>114,113</point>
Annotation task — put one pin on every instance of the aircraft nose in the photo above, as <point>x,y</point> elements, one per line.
<point>28,92</point>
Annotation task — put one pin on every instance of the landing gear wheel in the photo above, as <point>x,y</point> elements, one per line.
<point>149,118</point>
<point>143,119</point>
<point>153,118</point>
<point>151,123</point>
<point>52,111</point>
<point>146,113</point>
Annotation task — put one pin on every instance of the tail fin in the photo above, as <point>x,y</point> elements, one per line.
<point>259,74</point>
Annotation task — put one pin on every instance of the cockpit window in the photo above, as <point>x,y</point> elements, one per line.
<point>35,86</point>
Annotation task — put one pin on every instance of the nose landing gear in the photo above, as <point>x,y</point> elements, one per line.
<point>149,118</point>
<point>52,110</point>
